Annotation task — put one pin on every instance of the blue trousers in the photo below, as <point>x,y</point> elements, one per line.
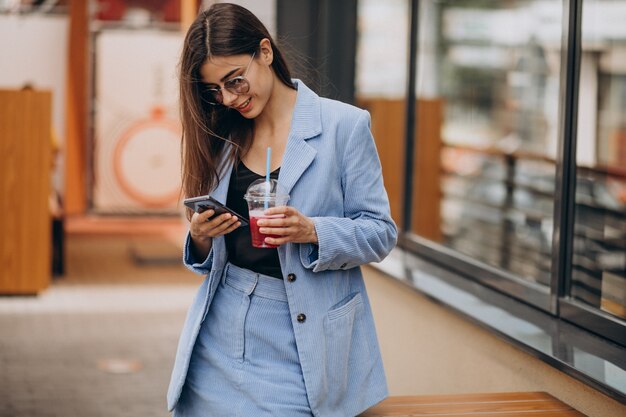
<point>245,360</point>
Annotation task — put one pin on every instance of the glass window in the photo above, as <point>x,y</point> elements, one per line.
<point>599,248</point>
<point>381,80</point>
<point>486,134</point>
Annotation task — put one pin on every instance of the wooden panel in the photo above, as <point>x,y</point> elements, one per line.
<point>537,404</point>
<point>388,128</point>
<point>426,213</point>
<point>25,164</point>
<point>75,196</point>
<point>188,13</point>
<point>388,118</point>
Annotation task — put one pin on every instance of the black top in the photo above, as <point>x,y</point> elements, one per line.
<point>239,242</point>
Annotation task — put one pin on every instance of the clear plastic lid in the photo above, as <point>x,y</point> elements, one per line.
<point>261,190</point>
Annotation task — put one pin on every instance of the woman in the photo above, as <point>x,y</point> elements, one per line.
<point>288,331</point>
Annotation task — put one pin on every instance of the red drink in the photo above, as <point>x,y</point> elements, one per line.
<point>258,238</point>
<point>262,195</point>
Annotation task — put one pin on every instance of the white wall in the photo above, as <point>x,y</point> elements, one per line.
<point>264,10</point>
<point>382,48</point>
<point>33,49</point>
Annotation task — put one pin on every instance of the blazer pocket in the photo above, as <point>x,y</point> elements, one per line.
<point>346,344</point>
<point>345,306</point>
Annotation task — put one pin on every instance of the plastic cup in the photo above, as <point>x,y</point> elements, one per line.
<point>260,196</point>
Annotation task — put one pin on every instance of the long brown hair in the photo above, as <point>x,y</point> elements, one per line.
<point>222,30</point>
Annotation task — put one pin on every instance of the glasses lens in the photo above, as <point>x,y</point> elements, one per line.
<point>213,96</point>
<point>237,85</point>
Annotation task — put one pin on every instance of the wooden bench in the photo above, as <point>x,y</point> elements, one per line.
<point>508,404</point>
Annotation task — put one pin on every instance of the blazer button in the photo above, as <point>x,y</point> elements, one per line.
<point>291,277</point>
<point>301,318</point>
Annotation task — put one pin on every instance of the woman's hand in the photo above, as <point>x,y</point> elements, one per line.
<point>202,229</point>
<point>294,227</point>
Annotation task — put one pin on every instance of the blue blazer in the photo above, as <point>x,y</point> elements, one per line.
<point>332,172</point>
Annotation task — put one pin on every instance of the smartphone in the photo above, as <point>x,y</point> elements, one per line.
<point>205,202</point>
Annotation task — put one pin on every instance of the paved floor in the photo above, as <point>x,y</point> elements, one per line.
<point>100,341</point>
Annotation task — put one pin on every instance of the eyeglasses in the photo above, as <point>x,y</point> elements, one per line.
<point>236,85</point>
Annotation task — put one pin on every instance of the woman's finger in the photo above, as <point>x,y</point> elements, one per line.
<point>201,218</point>
<point>218,221</point>
<point>205,215</point>
<point>280,231</point>
<point>231,228</point>
<point>277,241</point>
<point>279,222</point>
<point>286,210</point>
<point>224,225</point>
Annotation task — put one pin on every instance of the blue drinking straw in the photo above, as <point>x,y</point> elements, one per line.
<point>267,176</point>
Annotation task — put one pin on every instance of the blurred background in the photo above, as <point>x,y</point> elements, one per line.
<point>501,128</point>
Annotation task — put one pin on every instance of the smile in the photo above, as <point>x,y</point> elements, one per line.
<point>244,104</point>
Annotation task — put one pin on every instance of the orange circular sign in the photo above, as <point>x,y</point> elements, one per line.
<point>146,162</point>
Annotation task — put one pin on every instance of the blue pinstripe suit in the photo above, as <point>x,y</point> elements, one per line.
<point>332,172</point>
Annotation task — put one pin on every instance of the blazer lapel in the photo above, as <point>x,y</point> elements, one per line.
<point>221,191</point>
<point>220,194</point>
<point>298,156</point>
<point>305,124</point>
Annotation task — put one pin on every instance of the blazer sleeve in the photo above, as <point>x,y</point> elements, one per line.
<point>202,268</point>
<point>367,232</point>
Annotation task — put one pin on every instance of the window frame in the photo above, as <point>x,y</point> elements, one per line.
<point>556,301</point>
